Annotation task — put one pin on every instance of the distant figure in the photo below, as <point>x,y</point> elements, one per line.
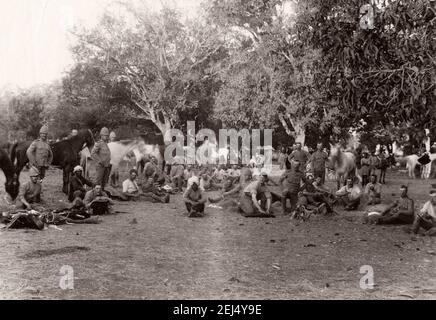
<point>319,159</point>
<point>74,132</point>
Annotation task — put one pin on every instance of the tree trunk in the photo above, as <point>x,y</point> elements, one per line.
<point>299,132</point>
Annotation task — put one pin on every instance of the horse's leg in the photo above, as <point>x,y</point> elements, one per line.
<point>66,178</point>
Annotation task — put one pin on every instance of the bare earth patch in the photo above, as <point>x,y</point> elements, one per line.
<point>154,251</point>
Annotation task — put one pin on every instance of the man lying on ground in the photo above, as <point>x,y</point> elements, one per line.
<point>98,202</point>
<point>373,191</point>
<point>78,183</point>
<point>30,192</point>
<point>350,195</point>
<point>400,211</point>
<point>194,198</point>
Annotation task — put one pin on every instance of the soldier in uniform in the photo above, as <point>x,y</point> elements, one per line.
<point>39,153</point>
<point>102,156</point>
<point>291,183</point>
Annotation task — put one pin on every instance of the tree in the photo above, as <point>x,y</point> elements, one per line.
<point>159,66</point>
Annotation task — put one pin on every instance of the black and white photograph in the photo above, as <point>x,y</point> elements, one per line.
<point>221,151</point>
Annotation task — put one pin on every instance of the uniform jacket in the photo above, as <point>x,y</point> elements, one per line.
<point>39,153</point>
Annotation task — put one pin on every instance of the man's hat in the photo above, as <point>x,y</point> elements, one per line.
<point>44,129</point>
<point>113,135</point>
<point>104,131</point>
<point>193,179</point>
<point>33,172</point>
<point>77,168</point>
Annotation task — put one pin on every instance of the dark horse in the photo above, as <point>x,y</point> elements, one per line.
<point>65,154</point>
<point>12,184</point>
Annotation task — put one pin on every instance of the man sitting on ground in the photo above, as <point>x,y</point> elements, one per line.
<point>254,192</point>
<point>350,195</point>
<point>194,198</point>
<point>30,192</point>
<point>77,184</point>
<point>177,175</point>
<point>130,186</point>
<point>152,193</point>
<point>426,218</point>
<point>98,202</point>
<point>399,212</point>
<point>312,199</point>
<point>373,191</point>
<point>151,170</point>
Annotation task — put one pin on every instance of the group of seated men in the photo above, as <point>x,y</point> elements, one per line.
<point>242,186</point>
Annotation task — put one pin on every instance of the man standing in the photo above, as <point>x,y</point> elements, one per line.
<point>319,159</point>
<point>299,155</point>
<point>291,183</point>
<point>39,153</point>
<point>101,154</point>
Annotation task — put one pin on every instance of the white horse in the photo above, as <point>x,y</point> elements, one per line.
<point>411,162</point>
<point>344,164</point>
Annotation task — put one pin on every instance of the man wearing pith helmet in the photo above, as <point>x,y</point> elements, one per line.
<point>102,157</point>
<point>39,153</point>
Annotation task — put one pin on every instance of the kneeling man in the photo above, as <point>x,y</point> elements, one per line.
<point>257,191</point>
<point>194,198</point>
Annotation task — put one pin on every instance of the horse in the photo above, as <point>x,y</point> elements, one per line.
<point>343,163</point>
<point>65,154</point>
<point>411,161</point>
<point>12,184</point>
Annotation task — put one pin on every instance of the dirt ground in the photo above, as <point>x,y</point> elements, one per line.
<point>154,251</point>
